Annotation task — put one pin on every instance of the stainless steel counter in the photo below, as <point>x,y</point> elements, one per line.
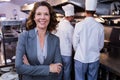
<point>111,64</point>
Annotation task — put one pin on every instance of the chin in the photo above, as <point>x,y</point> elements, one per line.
<point>42,27</point>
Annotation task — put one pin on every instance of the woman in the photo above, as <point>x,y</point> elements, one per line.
<point>38,51</point>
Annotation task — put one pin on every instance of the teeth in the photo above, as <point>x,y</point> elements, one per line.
<point>42,22</point>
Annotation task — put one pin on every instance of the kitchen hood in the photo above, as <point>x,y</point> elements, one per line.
<point>79,7</point>
<point>104,7</point>
<point>27,7</point>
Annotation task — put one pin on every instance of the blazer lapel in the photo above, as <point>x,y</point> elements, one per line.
<point>32,41</point>
<point>49,48</point>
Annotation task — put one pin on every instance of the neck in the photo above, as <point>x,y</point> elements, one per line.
<point>68,18</point>
<point>89,15</point>
<point>41,32</point>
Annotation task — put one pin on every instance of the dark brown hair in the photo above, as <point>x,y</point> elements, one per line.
<point>53,21</point>
<point>90,12</point>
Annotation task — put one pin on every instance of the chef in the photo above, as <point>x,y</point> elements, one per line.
<point>65,33</point>
<point>88,40</point>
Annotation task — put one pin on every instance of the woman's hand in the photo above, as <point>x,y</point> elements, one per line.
<point>25,60</point>
<point>55,68</point>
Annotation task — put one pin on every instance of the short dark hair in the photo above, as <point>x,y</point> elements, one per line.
<point>53,19</point>
<point>90,12</point>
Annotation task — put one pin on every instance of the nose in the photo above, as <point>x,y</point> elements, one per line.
<point>42,16</point>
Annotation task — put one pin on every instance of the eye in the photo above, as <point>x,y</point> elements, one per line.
<point>38,14</point>
<point>46,14</point>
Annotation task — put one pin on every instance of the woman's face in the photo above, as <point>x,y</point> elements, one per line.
<point>42,17</point>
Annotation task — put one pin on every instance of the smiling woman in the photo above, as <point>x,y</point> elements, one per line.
<point>42,17</point>
<point>53,22</point>
<point>38,51</point>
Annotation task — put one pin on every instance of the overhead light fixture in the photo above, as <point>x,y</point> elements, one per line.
<point>4,0</point>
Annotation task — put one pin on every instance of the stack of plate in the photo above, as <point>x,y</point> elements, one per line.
<point>6,69</point>
<point>9,76</point>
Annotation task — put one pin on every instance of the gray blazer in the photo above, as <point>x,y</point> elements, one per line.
<point>27,44</point>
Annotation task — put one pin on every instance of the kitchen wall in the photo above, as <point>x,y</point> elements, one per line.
<point>7,9</point>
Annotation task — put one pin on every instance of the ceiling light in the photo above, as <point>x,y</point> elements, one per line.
<point>5,0</point>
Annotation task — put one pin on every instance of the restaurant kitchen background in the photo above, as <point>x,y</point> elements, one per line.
<point>13,16</point>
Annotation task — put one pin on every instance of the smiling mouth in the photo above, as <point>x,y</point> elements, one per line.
<point>42,22</point>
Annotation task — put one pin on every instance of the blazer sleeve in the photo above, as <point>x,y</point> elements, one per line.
<point>58,58</point>
<point>24,69</point>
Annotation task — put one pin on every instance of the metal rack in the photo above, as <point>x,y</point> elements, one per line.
<point>9,32</point>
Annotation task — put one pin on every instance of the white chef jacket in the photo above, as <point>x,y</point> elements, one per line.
<point>65,34</point>
<point>88,40</point>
